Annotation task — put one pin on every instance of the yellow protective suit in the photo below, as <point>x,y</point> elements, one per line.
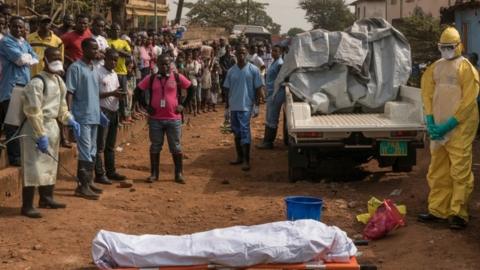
<point>450,89</point>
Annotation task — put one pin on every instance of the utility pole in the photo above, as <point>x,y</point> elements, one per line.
<point>156,17</point>
<point>179,11</point>
<point>248,12</point>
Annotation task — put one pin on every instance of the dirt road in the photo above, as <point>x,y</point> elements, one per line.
<point>219,195</point>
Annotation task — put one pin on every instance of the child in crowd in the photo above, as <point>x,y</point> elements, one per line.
<point>206,84</point>
<point>192,69</point>
<point>215,91</point>
<point>131,84</point>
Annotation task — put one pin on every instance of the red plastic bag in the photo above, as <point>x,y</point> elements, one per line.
<point>386,219</point>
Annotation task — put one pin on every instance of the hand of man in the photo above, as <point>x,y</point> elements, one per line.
<point>179,109</point>
<point>119,93</point>
<point>75,127</point>
<point>104,120</point>
<point>255,111</point>
<point>447,126</point>
<point>42,144</point>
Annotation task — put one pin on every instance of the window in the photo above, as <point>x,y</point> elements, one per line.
<point>393,2</point>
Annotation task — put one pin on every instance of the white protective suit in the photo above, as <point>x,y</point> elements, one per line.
<point>42,106</point>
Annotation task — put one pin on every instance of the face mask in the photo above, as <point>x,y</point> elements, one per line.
<point>55,66</point>
<point>447,54</point>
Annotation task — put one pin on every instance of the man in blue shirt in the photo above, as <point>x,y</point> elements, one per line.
<point>274,102</point>
<point>16,57</point>
<point>243,84</point>
<point>84,99</point>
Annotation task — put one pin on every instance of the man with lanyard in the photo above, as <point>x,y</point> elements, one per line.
<point>84,100</point>
<point>16,57</point>
<point>73,40</point>
<point>98,30</point>
<point>164,107</point>
<point>243,84</point>
<point>42,39</point>
<point>274,100</point>
<point>43,103</point>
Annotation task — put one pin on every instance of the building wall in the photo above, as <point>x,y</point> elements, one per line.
<point>370,9</point>
<point>404,8</point>
<point>467,23</point>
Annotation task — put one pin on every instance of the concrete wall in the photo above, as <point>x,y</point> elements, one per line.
<point>374,9</point>
<point>404,8</point>
<point>467,23</point>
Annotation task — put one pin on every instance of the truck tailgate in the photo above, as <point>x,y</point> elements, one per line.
<point>352,122</point>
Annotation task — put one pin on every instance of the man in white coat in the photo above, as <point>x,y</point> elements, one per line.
<point>43,103</point>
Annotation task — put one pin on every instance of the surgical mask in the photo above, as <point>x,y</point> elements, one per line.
<point>55,66</point>
<point>448,54</point>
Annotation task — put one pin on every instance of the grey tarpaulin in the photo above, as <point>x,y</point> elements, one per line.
<point>363,66</point>
<point>239,246</point>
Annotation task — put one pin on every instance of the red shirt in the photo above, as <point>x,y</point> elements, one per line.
<point>73,44</point>
<point>165,89</point>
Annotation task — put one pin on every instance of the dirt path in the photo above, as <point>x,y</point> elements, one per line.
<point>218,195</point>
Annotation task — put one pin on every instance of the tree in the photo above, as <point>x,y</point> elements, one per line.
<point>294,31</point>
<point>227,13</point>
<point>423,33</point>
<point>332,15</point>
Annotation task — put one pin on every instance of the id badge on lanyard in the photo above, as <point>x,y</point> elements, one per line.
<point>163,102</point>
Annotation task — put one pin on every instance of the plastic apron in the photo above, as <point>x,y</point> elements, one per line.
<point>447,95</point>
<point>40,169</point>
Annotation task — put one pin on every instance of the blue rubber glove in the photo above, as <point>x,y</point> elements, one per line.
<point>446,126</point>
<point>75,127</point>
<point>104,120</point>
<point>42,144</point>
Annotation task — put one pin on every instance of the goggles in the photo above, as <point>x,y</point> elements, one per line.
<point>448,47</point>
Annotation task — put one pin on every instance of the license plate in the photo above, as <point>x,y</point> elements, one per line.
<point>393,148</point>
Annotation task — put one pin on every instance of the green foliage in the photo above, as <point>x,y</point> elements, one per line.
<point>332,15</point>
<point>423,33</point>
<point>227,13</point>
<point>294,31</point>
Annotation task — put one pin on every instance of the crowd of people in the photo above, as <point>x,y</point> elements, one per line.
<point>83,80</point>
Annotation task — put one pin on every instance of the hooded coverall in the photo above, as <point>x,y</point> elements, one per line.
<point>450,89</point>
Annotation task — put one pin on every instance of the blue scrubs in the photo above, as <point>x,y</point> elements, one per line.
<point>274,102</point>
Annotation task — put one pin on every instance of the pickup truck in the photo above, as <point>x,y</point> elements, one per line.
<point>391,137</point>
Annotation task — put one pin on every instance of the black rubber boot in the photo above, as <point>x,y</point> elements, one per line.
<point>154,167</point>
<point>246,157</point>
<point>238,148</point>
<point>91,169</point>
<point>84,176</point>
<point>46,198</point>
<point>268,138</point>
<point>100,176</point>
<point>27,203</point>
<point>178,161</point>
<point>429,218</point>
<point>457,223</point>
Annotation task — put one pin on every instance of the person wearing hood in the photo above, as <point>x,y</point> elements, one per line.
<point>44,102</point>
<point>449,90</point>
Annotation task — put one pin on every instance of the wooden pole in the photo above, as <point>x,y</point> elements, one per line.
<point>179,11</point>
<point>156,17</point>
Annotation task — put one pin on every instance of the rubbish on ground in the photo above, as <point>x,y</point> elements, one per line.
<point>396,192</point>
<point>126,184</point>
<point>372,206</point>
<point>240,246</point>
<point>119,149</point>
<point>386,219</point>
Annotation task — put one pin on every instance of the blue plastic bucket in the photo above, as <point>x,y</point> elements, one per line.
<point>303,207</point>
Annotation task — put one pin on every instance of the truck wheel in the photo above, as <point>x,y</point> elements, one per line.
<point>295,174</point>
<point>285,129</point>
<point>398,167</point>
